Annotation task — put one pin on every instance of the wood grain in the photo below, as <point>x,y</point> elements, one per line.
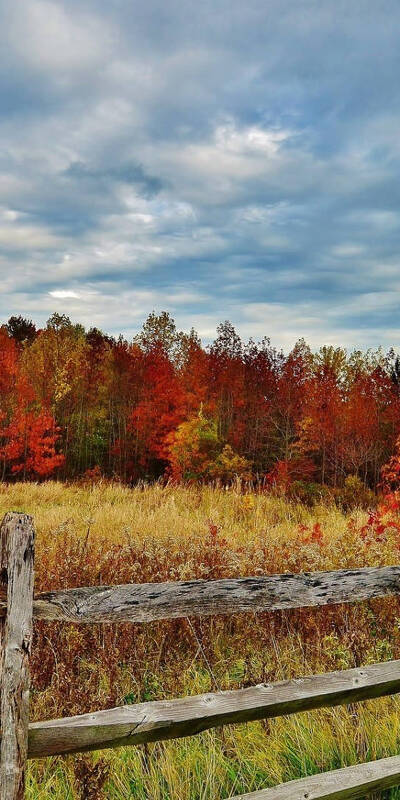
<point>17,538</point>
<point>154,601</point>
<point>149,722</point>
<point>340,784</point>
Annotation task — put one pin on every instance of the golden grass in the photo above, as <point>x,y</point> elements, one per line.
<point>111,534</point>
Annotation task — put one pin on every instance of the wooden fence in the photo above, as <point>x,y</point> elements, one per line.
<point>154,721</point>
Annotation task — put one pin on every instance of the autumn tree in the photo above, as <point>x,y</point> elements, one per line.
<point>227,377</point>
<point>288,402</point>
<point>163,404</point>
<point>194,446</point>
<point>29,445</point>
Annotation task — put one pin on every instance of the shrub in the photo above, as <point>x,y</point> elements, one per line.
<point>308,493</point>
<point>228,465</point>
<point>354,494</point>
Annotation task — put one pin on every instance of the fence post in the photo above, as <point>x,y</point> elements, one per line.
<point>17,538</point>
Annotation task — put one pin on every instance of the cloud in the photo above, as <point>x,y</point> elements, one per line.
<point>129,173</point>
<point>47,37</point>
<point>63,294</point>
<point>219,160</point>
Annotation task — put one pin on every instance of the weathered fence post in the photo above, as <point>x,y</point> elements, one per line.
<point>17,538</point>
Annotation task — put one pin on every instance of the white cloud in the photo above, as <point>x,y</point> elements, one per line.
<point>248,140</point>
<point>27,237</point>
<point>347,250</point>
<point>63,294</point>
<point>47,36</point>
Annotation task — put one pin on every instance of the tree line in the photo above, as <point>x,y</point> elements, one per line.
<point>76,402</point>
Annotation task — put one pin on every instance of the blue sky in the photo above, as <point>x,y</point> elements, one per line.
<point>215,159</point>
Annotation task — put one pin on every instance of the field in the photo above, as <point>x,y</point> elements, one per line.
<point>111,534</point>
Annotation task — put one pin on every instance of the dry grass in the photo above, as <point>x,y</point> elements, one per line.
<point>111,534</point>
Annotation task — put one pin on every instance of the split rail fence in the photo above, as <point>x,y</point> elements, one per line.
<point>153,721</point>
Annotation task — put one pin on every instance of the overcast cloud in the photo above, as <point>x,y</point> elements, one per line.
<point>215,159</point>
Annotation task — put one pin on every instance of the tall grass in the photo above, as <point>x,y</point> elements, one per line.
<point>111,534</point>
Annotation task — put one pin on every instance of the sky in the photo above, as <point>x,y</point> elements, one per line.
<point>219,160</point>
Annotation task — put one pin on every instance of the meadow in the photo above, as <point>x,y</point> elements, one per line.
<point>107,533</point>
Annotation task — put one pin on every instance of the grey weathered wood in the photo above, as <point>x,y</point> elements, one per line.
<point>17,538</point>
<point>152,601</point>
<point>169,719</point>
<point>340,784</point>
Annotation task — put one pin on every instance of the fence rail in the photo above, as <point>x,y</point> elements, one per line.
<point>172,719</point>
<point>339,784</point>
<point>149,722</point>
<point>145,602</point>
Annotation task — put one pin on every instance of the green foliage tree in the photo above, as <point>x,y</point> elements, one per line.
<point>21,329</point>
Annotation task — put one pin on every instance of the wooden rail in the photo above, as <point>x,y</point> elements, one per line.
<point>145,602</point>
<point>340,784</point>
<point>172,719</point>
<point>147,722</point>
